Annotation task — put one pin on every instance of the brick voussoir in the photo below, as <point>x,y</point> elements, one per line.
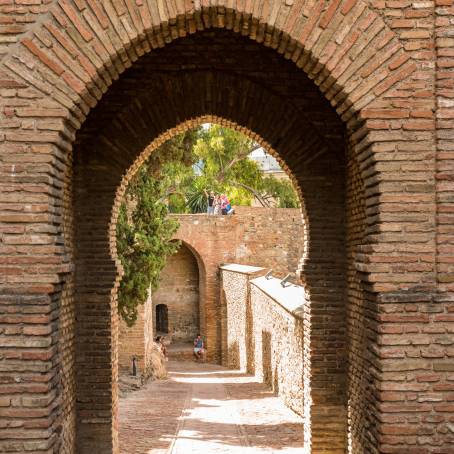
<point>376,193</point>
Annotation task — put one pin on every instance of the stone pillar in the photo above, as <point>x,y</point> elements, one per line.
<point>324,278</point>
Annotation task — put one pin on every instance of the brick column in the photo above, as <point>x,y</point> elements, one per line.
<point>96,312</point>
<point>35,276</point>
<point>323,274</point>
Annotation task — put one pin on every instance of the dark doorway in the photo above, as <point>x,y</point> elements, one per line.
<point>162,318</point>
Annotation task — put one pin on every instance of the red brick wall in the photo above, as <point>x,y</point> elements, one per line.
<point>179,291</point>
<point>385,67</point>
<point>133,341</point>
<point>263,237</point>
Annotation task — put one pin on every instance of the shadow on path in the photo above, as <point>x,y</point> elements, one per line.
<point>206,409</point>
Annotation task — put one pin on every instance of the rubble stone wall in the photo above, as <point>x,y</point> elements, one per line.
<point>265,326</point>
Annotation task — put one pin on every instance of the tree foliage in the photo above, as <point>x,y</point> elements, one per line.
<point>144,234</point>
<point>282,191</point>
<point>221,163</point>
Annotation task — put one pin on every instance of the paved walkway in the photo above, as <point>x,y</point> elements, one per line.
<point>206,409</point>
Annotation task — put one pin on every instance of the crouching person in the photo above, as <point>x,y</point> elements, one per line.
<point>157,365</point>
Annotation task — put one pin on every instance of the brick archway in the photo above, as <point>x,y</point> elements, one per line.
<point>325,236</point>
<point>65,63</point>
<point>206,295</point>
<point>208,268</point>
<point>167,135</point>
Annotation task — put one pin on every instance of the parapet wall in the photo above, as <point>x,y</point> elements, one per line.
<point>265,237</point>
<point>263,328</point>
<point>237,350</point>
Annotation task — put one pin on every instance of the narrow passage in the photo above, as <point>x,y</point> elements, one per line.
<point>207,409</point>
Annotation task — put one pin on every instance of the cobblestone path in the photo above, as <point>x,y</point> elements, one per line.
<point>206,409</point>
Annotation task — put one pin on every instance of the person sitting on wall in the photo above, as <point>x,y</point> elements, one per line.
<point>217,205</point>
<point>199,349</point>
<point>210,201</point>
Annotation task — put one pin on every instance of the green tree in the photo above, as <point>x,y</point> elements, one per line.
<point>221,163</point>
<point>143,242</point>
<point>222,156</point>
<point>280,190</point>
<point>144,231</point>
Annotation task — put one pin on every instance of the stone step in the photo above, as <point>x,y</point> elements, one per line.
<point>180,352</point>
<point>180,355</point>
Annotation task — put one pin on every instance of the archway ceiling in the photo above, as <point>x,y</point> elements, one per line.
<point>221,73</point>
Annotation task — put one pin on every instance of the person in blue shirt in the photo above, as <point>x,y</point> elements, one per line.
<point>198,347</point>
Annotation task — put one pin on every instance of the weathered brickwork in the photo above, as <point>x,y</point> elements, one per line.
<point>375,173</point>
<point>265,331</point>
<point>267,234</point>
<point>277,327</point>
<point>179,291</point>
<point>236,310</point>
<point>253,235</point>
<point>136,341</point>
<point>190,282</point>
<point>357,315</point>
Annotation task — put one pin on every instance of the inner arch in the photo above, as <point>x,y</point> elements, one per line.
<point>179,129</point>
<point>257,91</point>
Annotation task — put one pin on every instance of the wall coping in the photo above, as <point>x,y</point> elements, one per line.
<point>242,212</point>
<point>291,297</point>
<point>242,269</point>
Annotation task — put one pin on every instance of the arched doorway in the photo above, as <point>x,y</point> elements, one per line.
<point>321,182</point>
<point>177,300</point>
<point>340,167</point>
<point>162,318</point>
<point>283,129</point>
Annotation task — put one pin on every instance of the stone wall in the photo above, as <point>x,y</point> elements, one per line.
<point>272,236</point>
<point>190,282</point>
<point>264,323</point>
<point>237,349</point>
<point>267,237</point>
<point>135,341</point>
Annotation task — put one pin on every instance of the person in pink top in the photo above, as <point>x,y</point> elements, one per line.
<point>224,203</point>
